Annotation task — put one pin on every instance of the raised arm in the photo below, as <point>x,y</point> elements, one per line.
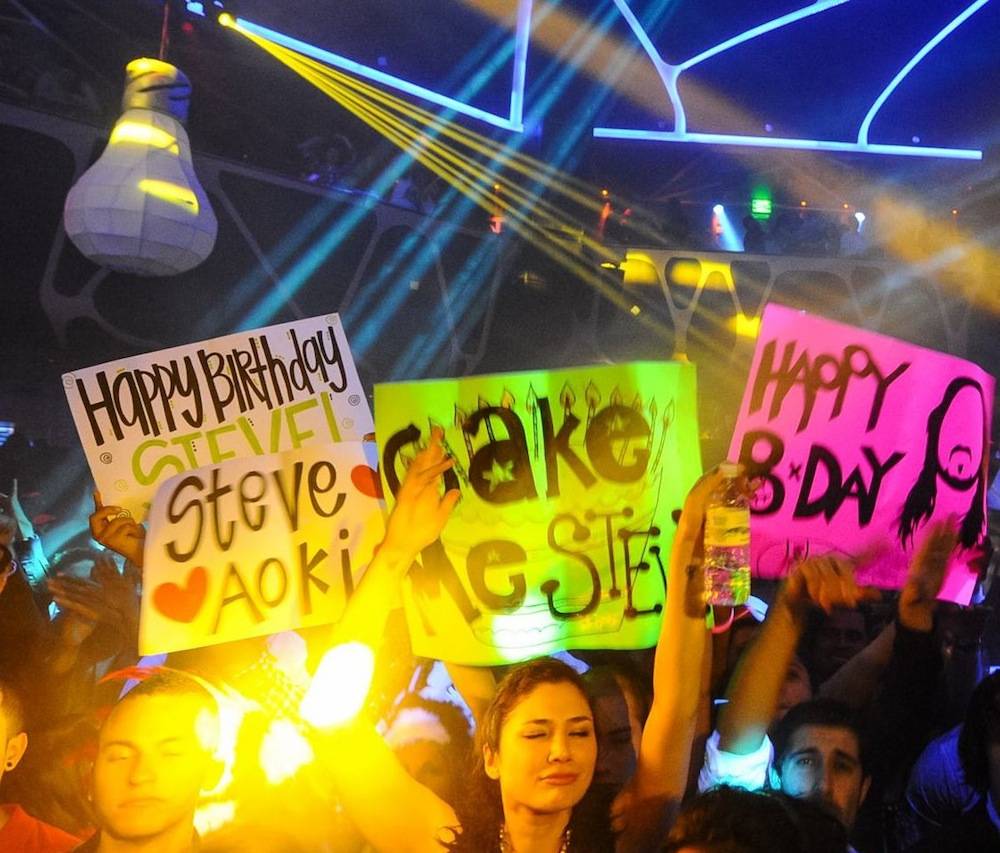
<point>903,712</point>
<point>415,522</point>
<point>475,684</point>
<point>755,688</point>
<point>33,558</point>
<point>394,812</point>
<point>650,802</point>
<point>857,681</point>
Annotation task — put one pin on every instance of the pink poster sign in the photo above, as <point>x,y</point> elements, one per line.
<point>862,441</point>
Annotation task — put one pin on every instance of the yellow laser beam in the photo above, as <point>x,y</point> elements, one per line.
<point>580,193</point>
<point>465,174</point>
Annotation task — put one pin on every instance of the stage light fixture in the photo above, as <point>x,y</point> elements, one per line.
<point>140,208</point>
<point>717,209</point>
<point>761,208</point>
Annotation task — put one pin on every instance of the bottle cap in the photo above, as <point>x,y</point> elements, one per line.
<point>731,470</point>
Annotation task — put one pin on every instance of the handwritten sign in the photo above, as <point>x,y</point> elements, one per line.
<point>862,441</point>
<point>258,545</point>
<point>569,480</point>
<point>144,419</point>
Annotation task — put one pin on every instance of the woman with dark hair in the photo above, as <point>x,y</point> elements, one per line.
<point>530,788</point>
<point>957,465</point>
<point>553,762</point>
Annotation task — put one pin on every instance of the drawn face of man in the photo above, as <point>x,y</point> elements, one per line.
<point>960,444</point>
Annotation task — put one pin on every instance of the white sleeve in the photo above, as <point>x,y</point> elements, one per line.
<point>33,561</point>
<point>726,768</point>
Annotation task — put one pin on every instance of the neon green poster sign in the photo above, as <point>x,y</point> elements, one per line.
<point>569,481</point>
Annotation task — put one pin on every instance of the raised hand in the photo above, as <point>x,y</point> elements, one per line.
<point>827,582</point>
<point>107,596</point>
<point>925,576</point>
<point>115,528</point>
<point>421,511</point>
<point>689,541</point>
<point>80,606</point>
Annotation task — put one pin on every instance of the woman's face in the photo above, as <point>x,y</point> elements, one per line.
<point>547,751</point>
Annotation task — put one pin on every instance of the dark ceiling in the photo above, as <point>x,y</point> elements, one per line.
<point>815,78</point>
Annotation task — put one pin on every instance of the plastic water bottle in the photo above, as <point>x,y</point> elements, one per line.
<point>727,541</point>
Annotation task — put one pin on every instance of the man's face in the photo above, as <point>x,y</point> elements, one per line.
<point>824,763</point>
<point>796,689</point>
<point>841,636</point>
<point>152,762</point>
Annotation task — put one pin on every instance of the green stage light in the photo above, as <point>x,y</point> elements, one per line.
<point>761,208</point>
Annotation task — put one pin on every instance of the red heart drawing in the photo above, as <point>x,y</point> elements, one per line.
<point>367,481</point>
<point>182,603</point>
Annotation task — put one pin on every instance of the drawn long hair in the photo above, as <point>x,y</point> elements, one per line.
<point>919,504</point>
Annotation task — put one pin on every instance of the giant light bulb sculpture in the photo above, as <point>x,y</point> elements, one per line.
<point>139,208</point>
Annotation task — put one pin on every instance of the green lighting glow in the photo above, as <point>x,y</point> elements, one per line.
<point>761,208</point>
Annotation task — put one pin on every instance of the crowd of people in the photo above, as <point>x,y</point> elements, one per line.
<point>824,721</point>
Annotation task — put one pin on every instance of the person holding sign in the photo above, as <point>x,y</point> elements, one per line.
<point>115,528</point>
<point>530,789</point>
<point>740,751</point>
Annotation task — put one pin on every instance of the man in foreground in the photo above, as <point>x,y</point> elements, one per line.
<point>155,756</point>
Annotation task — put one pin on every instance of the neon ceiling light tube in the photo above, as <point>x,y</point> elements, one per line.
<point>761,29</point>
<point>906,69</point>
<point>513,122</point>
<point>781,142</point>
<point>670,74</point>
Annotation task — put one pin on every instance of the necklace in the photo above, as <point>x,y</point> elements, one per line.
<point>506,848</point>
